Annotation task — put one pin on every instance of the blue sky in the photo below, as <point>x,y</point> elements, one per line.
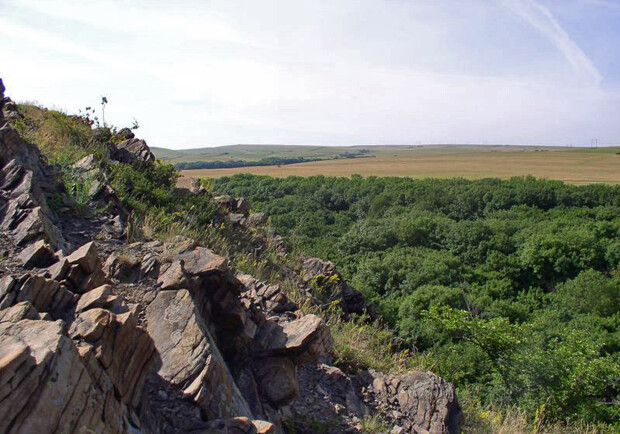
<point>202,73</point>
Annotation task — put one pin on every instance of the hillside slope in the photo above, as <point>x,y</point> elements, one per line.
<point>126,306</point>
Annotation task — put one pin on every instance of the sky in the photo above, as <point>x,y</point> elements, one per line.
<point>328,72</point>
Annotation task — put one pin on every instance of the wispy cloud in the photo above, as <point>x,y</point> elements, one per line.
<point>604,3</point>
<point>539,17</point>
<point>314,71</point>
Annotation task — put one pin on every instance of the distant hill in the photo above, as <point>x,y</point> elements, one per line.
<point>256,155</point>
<point>262,152</point>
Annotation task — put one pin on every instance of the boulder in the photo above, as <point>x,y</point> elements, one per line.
<point>264,427</point>
<point>236,219</point>
<point>46,295</point>
<point>186,185</point>
<point>242,206</point>
<point>123,134</point>
<point>423,401</point>
<point>86,164</point>
<point>277,380</point>
<point>38,254</point>
<point>86,257</point>
<point>227,203</point>
<point>101,297</point>
<point>190,358</point>
<point>18,312</point>
<point>202,261</point>
<point>174,277</point>
<point>81,270</point>
<point>134,151</point>
<point>303,340</point>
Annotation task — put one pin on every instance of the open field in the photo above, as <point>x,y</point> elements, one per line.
<point>574,165</point>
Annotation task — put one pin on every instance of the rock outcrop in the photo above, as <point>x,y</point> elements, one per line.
<point>133,151</point>
<point>416,401</point>
<point>323,274</point>
<point>100,336</point>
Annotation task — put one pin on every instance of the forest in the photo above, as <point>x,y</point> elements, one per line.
<point>508,288</point>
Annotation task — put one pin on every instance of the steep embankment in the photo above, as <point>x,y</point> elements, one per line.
<point>105,327</point>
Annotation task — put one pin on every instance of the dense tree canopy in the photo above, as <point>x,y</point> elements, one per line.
<point>512,286</point>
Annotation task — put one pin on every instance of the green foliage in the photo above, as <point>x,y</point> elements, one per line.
<point>78,187</point>
<point>508,288</point>
<point>360,344</point>
<point>374,425</point>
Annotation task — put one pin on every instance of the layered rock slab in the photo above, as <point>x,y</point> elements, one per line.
<point>190,357</point>
<point>47,385</point>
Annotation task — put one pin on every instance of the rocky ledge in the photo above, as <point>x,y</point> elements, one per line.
<point>100,336</point>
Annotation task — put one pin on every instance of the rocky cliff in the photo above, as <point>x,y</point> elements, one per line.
<point>98,335</point>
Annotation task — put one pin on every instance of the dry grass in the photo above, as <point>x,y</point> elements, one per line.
<point>573,165</point>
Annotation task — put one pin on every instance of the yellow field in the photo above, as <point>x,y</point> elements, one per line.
<point>578,166</point>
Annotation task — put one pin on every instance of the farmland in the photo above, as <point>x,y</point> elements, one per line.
<point>573,165</point>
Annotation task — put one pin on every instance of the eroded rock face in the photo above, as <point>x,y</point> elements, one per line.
<point>189,356</point>
<point>24,212</point>
<point>417,401</point>
<point>46,387</point>
<point>165,337</point>
<point>305,339</point>
<point>134,151</point>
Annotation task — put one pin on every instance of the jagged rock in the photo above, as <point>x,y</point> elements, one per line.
<point>227,203</point>
<point>134,151</point>
<point>124,266</point>
<point>124,349</point>
<point>190,357</point>
<point>324,274</point>
<point>304,340</point>
<point>7,295</point>
<point>124,134</point>
<point>23,207</point>
<point>150,266</point>
<point>276,379</point>
<point>37,255</point>
<point>45,386</point>
<point>86,257</point>
<point>426,401</point>
<point>101,297</point>
<point>86,164</point>
<point>256,219</point>
<point>174,277</point>
<point>263,427</point>
<point>269,298</point>
<point>242,206</point>
<point>81,270</point>
<point>202,261</point>
<point>22,310</point>
<point>44,294</point>
<point>236,219</point>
